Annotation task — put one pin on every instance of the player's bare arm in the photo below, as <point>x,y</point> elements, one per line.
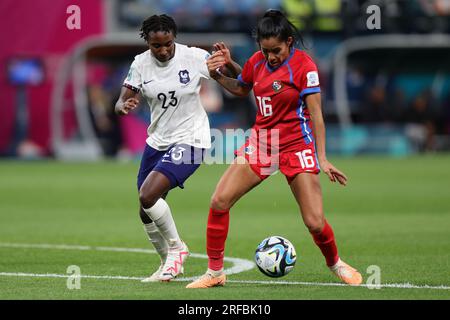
<point>127,101</point>
<point>232,69</point>
<point>313,101</point>
<point>217,61</point>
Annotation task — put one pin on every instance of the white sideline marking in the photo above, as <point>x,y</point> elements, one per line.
<point>55,275</point>
<point>239,265</point>
<point>330,284</point>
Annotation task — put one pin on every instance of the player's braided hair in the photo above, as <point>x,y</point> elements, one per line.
<point>157,23</point>
<point>275,24</point>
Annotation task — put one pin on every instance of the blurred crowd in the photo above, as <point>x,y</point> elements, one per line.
<point>409,91</point>
<point>423,115</point>
<point>321,16</point>
<point>380,101</point>
<point>375,99</point>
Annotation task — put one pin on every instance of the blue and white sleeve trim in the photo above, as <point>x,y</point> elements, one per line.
<point>309,91</point>
<point>242,82</point>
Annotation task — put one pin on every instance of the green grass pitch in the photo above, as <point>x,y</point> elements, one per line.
<point>394,214</point>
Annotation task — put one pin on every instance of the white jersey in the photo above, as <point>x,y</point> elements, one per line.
<point>172,91</point>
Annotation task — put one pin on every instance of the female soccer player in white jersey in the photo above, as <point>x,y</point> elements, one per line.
<point>168,76</point>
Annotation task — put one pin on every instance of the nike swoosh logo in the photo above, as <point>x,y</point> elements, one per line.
<point>146,82</point>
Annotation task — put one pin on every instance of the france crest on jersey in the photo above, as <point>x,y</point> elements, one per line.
<point>184,76</point>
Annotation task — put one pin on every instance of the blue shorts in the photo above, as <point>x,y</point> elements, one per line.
<point>177,164</point>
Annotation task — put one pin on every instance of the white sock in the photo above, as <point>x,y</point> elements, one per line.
<point>157,240</point>
<point>215,273</point>
<point>162,217</point>
<point>338,263</point>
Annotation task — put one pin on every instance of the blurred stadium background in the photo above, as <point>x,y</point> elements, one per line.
<point>385,91</point>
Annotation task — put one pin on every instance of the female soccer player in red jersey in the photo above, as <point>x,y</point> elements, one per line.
<point>290,128</point>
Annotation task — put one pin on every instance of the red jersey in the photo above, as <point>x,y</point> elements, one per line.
<point>280,95</point>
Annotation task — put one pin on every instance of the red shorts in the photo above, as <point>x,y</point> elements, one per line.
<point>290,163</point>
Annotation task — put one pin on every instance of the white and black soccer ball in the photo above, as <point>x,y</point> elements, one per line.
<point>275,256</point>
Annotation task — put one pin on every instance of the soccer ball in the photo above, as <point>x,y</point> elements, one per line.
<point>275,256</point>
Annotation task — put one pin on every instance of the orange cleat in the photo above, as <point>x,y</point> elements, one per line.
<point>346,273</point>
<point>208,281</point>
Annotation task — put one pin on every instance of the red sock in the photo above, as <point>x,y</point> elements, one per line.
<point>216,234</point>
<point>325,241</point>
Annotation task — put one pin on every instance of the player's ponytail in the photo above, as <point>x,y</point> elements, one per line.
<point>275,24</point>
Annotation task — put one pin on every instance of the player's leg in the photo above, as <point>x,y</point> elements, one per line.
<point>149,159</point>
<point>157,240</point>
<point>154,236</point>
<point>162,230</point>
<point>172,170</point>
<point>150,195</point>
<point>307,191</point>
<point>237,180</point>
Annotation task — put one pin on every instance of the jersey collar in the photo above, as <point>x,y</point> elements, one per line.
<point>165,63</point>
<point>271,69</point>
